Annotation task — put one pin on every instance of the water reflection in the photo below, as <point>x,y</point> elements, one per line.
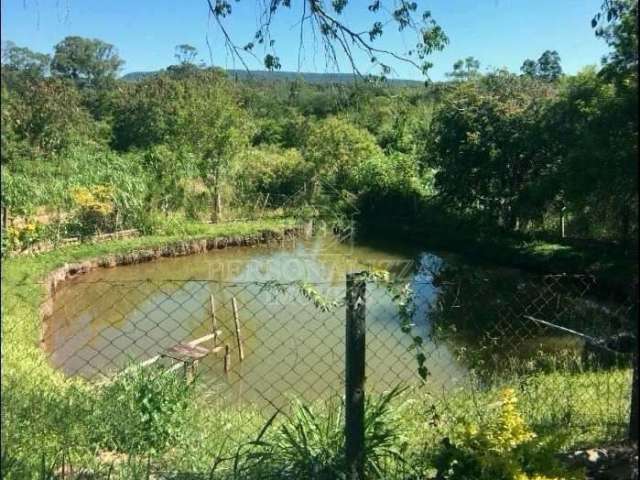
<point>107,317</point>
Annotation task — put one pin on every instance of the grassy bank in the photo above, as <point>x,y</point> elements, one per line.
<point>212,441</point>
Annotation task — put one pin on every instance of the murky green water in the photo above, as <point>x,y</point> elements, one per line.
<point>109,317</point>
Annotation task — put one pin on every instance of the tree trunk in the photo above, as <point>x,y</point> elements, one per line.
<point>218,207</point>
<point>314,190</point>
<point>5,217</point>
<point>216,215</point>
<point>634,417</point>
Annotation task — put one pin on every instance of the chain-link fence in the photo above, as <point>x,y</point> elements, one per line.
<point>264,343</point>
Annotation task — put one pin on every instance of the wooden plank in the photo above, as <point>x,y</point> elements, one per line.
<point>200,340</point>
<point>151,361</point>
<point>155,358</point>
<point>214,320</point>
<point>146,363</point>
<point>186,353</point>
<point>236,321</point>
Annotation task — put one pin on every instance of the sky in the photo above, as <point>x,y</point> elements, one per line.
<point>499,33</point>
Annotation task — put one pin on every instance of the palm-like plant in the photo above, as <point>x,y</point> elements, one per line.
<point>310,442</point>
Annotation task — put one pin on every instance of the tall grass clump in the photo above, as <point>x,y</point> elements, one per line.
<point>309,443</point>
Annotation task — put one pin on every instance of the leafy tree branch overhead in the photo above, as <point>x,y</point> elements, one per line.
<point>336,35</point>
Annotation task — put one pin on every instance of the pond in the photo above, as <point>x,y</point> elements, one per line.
<point>107,318</point>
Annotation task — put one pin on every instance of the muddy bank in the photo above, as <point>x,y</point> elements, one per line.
<point>54,280</point>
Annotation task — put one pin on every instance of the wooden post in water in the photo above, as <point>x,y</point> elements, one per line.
<point>214,321</point>
<point>236,321</point>
<point>354,376</point>
<point>227,359</point>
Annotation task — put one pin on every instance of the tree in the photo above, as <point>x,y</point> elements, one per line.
<point>185,54</point>
<point>617,24</point>
<point>465,69</point>
<point>212,125</point>
<point>485,144</point>
<point>43,118</point>
<point>199,114</point>
<point>145,113</point>
<point>335,147</point>
<point>88,62</point>
<point>31,65</point>
<point>529,68</point>
<point>547,67</point>
<point>594,124</point>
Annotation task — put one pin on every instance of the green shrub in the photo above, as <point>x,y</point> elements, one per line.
<point>142,410</point>
<point>498,446</point>
<point>270,170</point>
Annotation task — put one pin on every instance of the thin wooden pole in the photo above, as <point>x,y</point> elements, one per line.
<point>354,376</point>
<point>214,321</point>
<point>227,359</point>
<point>236,321</point>
<point>264,205</point>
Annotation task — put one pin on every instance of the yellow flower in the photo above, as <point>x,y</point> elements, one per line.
<point>98,198</point>
<point>509,428</point>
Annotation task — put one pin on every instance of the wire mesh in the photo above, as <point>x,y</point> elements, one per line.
<point>475,331</point>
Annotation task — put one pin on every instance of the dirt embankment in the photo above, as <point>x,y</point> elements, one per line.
<point>68,271</point>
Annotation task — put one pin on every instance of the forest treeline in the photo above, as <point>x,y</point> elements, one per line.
<point>84,151</point>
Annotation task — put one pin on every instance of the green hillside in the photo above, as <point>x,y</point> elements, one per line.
<point>263,75</point>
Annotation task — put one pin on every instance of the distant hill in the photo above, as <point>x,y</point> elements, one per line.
<point>265,76</point>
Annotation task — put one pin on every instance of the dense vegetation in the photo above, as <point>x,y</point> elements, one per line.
<point>523,159</point>
<point>83,151</point>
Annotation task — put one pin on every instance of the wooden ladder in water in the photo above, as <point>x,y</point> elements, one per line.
<point>186,356</point>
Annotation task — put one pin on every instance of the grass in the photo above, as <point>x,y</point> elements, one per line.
<point>50,421</point>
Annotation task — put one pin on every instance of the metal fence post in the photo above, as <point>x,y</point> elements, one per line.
<point>354,376</point>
